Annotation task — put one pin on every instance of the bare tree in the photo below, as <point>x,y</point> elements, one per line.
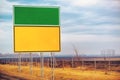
<point>95,64</point>
<point>107,54</point>
<point>103,52</point>
<point>111,53</point>
<point>79,58</point>
<point>76,54</point>
<point>63,63</point>
<point>72,62</point>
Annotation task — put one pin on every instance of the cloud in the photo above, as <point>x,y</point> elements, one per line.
<point>89,44</point>
<point>90,3</point>
<point>73,26</point>
<point>90,24</point>
<point>73,17</point>
<point>113,5</point>
<point>5,30</point>
<point>6,26</point>
<point>73,6</point>
<point>89,38</point>
<point>78,2</point>
<point>6,36</point>
<point>6,6</point>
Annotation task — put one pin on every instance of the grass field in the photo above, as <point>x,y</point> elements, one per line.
<point>60,73</point>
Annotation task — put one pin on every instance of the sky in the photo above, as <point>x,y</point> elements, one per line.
<point>89,25</point>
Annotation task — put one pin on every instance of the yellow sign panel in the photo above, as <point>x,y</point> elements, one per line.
<point>36,39</point>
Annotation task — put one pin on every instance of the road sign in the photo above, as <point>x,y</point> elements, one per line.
<point>36,29</point>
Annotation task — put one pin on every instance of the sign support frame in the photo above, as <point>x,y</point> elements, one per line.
<point>31,64</point>
<point>19,62</point>
<point>41,65</point>
<point>52,66</point>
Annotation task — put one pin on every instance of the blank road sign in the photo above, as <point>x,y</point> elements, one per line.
<point>36,29</point>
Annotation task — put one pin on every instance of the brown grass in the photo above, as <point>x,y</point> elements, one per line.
<point>60,74</point>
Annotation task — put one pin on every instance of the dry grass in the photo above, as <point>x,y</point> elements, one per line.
<point>60,74</point>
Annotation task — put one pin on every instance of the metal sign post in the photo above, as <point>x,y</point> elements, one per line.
<point>48,62</point>
<point>42,65</point>
<point>31,63</point>
<point>19,62</point>
<point>52,66</point>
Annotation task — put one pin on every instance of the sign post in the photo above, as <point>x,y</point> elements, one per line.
<point>19,62</point>
<point>31,64</point>
<point>36,29</point>
<point>52,66</point>
<point>42,65</point>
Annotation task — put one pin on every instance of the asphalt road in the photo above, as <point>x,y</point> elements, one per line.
<point>8,77</point>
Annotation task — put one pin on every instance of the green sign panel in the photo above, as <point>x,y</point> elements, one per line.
<point>36,15</point>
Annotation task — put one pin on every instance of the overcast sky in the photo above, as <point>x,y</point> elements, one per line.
<point>91,25</point>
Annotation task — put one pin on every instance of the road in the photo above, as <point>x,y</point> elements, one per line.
<point>8,77</point>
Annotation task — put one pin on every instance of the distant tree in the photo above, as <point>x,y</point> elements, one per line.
<point>76,54</point>
<point>111,53</point>
<point>107,54</point>
<point>95,64</point>
<point>72,62</point>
